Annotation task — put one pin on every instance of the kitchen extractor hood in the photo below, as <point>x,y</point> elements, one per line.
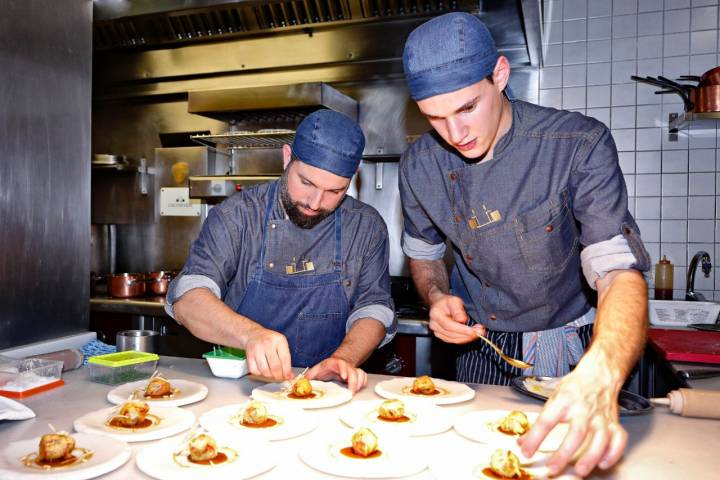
<point>150,24</point>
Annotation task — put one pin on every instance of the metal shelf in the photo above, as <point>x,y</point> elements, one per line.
<point>678,120</point>
<point>239,140</point>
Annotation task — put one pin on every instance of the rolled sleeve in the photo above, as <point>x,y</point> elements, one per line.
<point>600,205</point>
<point>381,313</point>
<point>600,258</point>
<point>184,284</point>
<point>421,250</point>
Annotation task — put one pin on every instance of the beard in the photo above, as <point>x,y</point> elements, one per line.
<point>293,212</point>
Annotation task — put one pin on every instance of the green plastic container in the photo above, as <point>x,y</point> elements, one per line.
<point>122,367</point>
<point>227,362</point>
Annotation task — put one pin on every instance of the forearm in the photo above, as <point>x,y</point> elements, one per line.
<point>209,319</point>
<point>620,324</point>
<point>430,277</point>
<point>364,336</point>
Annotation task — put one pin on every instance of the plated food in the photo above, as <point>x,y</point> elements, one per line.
<point>271,421</point>
<point>201,450</point>
<point>160,391</point>
<point>61,456</point>
<point>437,391</point>
<point>136,421</point>
<point>304,394</point>
<point>505,464</point>
<point>363,454</point>
<point>502,427</point>
<point>404,417</point>
<point>204,455</point>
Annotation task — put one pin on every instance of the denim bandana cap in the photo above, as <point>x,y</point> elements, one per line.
<point>330,140</point>
<point>448,53</point>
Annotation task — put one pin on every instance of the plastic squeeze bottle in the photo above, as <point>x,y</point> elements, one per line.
<point>664,279</point>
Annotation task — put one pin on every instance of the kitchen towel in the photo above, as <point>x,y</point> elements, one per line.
<point>12,410</point>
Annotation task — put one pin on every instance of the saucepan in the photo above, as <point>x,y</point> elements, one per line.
<point>696,98</point>
<point>158,282</point>
<point>126,285</point>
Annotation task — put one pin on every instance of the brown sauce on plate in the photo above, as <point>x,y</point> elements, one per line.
<point>220,458</point>
<point>305,397</point>
<point>268,423</point>
<point>146,423</point>
<point>350,453</point>
<point>32,460</point>
<point>434,392</point>
<point>523,475</point>
<point>402,419</point>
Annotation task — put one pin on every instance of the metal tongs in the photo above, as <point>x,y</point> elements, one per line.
<point>293,381</point>
<point>512,361</point>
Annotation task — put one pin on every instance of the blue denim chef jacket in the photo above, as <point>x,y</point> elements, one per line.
<point>553,185</point>
<point>246,244</point>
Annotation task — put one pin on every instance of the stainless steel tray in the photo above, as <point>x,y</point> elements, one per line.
<point>234,140</point>
<point>630,403</point>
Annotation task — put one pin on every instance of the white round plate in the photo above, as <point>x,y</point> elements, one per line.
<point>479,425</point>
<point>451,392</point>
<point>425,418</point>
<point>190,392</point>
<point>292,422</point>
<point>399,457</point>
<point>329,395</point>
<point>253,458</point>
<point>456,459</point>
<point>108,455</point>
<point>173,420</point>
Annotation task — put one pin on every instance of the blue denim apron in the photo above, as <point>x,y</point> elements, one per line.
<point>310,310</point>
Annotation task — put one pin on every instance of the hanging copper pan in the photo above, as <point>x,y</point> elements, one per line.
<point>711,77</point>
<point>705,99</point>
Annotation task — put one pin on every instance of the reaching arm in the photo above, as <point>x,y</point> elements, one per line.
<point>587,397</point>
<point>364,335</point>
<point>208,318</point>
<point>448,318</point>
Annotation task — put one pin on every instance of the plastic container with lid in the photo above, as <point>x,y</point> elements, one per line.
<point>664,279</point>
<point>24,377</point>
<point>122,367</point>
<point>227,362</point>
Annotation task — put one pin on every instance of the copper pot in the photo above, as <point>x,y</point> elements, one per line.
<point>158,282</point>
<point>126,285</point>
<point>705,99</point>
<point>711,77</point>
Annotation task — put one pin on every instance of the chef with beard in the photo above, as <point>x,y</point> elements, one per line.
<point>294,271</point>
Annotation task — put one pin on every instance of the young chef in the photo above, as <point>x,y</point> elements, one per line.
<point>530,199</point>
<point>294,271</point>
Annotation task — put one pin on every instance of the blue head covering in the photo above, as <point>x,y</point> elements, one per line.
<point>330,140</point>
<point>448,53</point>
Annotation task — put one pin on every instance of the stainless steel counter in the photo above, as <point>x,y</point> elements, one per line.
<point>154,307</point>
<point>661,445</point>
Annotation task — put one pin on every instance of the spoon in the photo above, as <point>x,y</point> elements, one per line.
<point>512,361</point>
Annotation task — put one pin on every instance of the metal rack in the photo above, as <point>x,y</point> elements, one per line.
<point>678,120</point>
<point>241,140</point>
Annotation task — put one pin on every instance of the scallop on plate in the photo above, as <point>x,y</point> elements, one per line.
<point>458,459</point>
<point>486,426</point>
<point>323,395</point>
<point>395,456</point>
<point>92,456</point>
<point>158,423</point>
<point>235,460</point>
<point>182,392</point>
<point>279,422</point>
<point>440,392</point>
<point>412,418</point>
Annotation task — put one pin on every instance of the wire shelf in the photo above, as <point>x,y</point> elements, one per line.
<point>237,140</point>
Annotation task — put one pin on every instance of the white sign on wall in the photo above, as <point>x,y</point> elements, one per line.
<point>176,202</point>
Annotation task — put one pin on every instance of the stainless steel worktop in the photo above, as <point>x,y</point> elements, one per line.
<point>661,445</point>
<point>155,307</point>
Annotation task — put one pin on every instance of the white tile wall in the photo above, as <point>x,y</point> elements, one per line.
<point>590,49</point>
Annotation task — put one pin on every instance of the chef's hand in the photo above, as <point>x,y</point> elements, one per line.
<point>586,399</point>
<point>335,368</point>
<point>448,320</point>
<point>268,353</point>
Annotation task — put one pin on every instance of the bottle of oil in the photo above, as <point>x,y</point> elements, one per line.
<point>664,279</point>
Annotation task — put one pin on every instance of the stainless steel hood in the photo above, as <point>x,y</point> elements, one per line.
<point>150,24</point>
